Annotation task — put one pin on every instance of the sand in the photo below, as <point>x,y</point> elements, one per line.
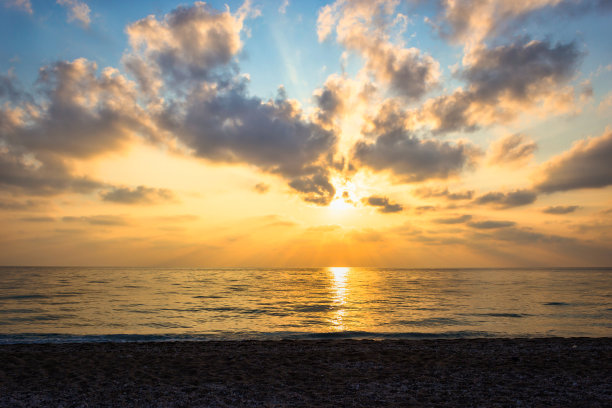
<point>329,373</point>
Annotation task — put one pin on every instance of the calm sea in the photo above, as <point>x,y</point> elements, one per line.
<point>43,304</point>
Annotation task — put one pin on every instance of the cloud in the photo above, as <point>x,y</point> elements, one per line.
<point>510,199</point>
<point>331,99</point>
<point>227,125</point>
<point>49,176</point>
<point>491,224</point>
<point>22,5</point>
<point>10,89</point>
<point>411,159</point>
<point>512,150</point>
<point>383,204</point>
<point>426,192</point>
<point>560,209</point>
<point>314,188</point>
<point>76,114</point>
<point>472,22</point>
<point>187,44</point>
<point>526,236</point>
<point>37,219</point>
<point>80,114</point>
<point>454,220</point>
<point>190,50</point>
<point>19,205</point>
<point>283,7</point>
<point>138,195</point>
<point>77,11</point>
<point>586,165</point>
<point>362,26</point>
<point>424,208</point>
<point>97,220</point>
<point>503,82</point>
<point>605,104</point>
<point>515,70</point>
<point>261,188</point>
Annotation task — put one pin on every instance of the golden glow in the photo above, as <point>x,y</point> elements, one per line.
<point>339,285</point>
<point>348,195</point>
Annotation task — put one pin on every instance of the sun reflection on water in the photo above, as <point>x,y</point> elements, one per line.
<point>339,286</point>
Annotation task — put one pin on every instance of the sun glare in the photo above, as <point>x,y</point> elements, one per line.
<point>339,272</point>
<point>346,197</point>
<point>339,283</point>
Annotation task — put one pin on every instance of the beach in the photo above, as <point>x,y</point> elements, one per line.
<point>500,372</point>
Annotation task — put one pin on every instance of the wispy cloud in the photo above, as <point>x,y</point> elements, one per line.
<point>138,195</point>
<point>383,204</point>
<point>22,5</point>
<point>560,209</point>
<point>77,11</point>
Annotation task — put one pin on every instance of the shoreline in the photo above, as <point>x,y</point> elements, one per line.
<point>551,371</point>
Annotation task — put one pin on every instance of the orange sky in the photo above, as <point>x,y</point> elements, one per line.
<point>436,138</point>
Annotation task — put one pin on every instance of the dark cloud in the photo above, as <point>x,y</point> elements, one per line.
<point>186,44</point>
<point>413,159</point>
<point>451,113</point>
<point>409,73</point>
<point>314,188</point>
<point>261,188</point>
<point>82,114</point>
<point>138,195</point>
<point>515,198</point>
<point>491,224</point>
<point>586,165</point>
<point>426,192</point>
<point>408,157</point>
<point>502,82</point>
<point>560,209</point>
<point>47,176</point>
<point>425,208</point>
<point>330,100</point>
<point>512,149</point>
<point>190,50</point>
<point>454,220</point>
<point>511,70</point>
<point>227,125</point>
<point>383,204</point>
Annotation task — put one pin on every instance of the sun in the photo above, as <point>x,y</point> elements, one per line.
<point>346,197</point>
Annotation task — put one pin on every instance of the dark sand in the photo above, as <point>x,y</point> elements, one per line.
<point>335,373</point>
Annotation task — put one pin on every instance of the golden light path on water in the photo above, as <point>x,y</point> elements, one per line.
<point>339,286</point>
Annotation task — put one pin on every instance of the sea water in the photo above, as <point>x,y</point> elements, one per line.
<point>64,304</point>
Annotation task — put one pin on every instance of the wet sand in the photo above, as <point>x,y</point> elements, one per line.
<point>333,373</point>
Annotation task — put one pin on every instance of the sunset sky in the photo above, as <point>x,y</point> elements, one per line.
<point>443,133</point>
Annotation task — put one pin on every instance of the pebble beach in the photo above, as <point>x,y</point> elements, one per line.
<point>551,372</point>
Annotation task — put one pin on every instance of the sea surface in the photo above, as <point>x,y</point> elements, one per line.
<point>70,304</point>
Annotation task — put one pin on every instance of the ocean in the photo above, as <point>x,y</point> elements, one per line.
<point>75,304</point>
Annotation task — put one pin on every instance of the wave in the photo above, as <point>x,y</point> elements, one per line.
<point>42,338</point>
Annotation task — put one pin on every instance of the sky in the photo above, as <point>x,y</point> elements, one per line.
<point>388,133</point>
